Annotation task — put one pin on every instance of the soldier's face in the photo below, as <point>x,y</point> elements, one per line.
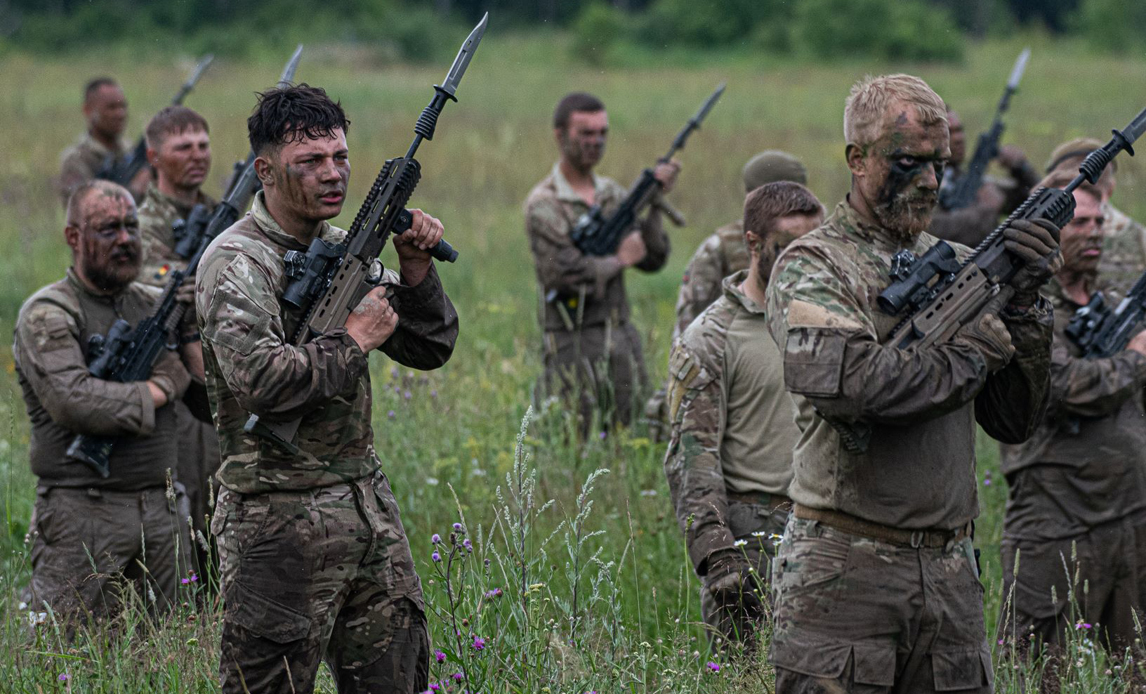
<point>958,137</point>
<point>307,178</point>
<point>583,140</point>
<point>785,230</point>
<point>106,111</point>
<point>183,160</point>
<point>106,247</point>
<point>1082,238</point>
<point>898,176</point>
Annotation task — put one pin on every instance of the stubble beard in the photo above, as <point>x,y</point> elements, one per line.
<point>905,216</point>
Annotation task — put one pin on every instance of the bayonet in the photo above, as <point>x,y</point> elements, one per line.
<point>462,61</point>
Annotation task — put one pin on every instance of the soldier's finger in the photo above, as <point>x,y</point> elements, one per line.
<point>1030,242</point>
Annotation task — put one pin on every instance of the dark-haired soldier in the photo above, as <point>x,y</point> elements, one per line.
<point>179,150</point>
<point>996,197</point>
<point>315,564</point>
<point>105,111</point>
<point>1077,504</point>
<point>90,530</point>
<point>729,460</point>
<point>591,351</point>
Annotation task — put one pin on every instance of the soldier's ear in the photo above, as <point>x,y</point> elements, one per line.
<point>263,171</point>
<point>152,155</point>
<point>754,242</point>
<point>72,237</point>
<point>857,162</point>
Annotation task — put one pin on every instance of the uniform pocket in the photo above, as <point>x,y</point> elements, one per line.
<point>264,617</point>
<point>958,670</point>
<point>810,563</point>
<point>813,362</point>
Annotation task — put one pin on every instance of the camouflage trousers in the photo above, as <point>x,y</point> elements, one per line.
<point>197,464</point>
<point>758,525</point>
<point>854,614</point>
<point>1105,570</point>
<point>321,574</point>
<point>87,542</point>
<point>600,368</point>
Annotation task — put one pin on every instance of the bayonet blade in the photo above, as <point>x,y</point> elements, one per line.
<point>289,70</point>
<point>707,106</point>
<point>198,72</point>
<point>1137,126</point>
<point>465,54</point>
<point>1019,69</point>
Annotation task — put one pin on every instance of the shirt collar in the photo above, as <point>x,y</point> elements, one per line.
<point>731,287</point>
<point>850,219</point>
<point>267,224</point>
<point>163,200</point>
<point>565,192</point>
<point>77,284</point>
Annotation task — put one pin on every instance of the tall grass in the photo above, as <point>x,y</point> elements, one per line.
<point>596,592</point>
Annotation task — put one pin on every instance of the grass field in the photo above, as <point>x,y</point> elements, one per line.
<point>596,591</point>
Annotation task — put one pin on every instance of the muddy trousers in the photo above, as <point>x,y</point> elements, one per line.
<point>314,575</point>
<point>854,614</point>
<point>599,370</point>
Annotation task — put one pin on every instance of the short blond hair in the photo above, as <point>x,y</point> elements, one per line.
<point>866,108</point>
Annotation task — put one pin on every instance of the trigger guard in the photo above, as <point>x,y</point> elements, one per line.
<point>374,274</point>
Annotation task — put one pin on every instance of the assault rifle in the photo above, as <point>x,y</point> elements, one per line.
<point>597,236</point>
<point>123,171</point>
<point>125,355</point>
<point>938,296</point>
<point>1100,332</point>
<point>328,280</point>
<point>959,194</point>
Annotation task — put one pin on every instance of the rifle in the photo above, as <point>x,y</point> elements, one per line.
<point>1100,332</point>
<point>960,194</point>
<point>123,171</point>
<point>940,296</point>
<point>328,280</point>
<point>597,236</point>
<point>125,355</point>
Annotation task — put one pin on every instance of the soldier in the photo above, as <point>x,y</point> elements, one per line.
<point>591,351</point>
<point>718,256</point>
<point>729,460</point>
<point>105,110</point>
<point>1124,244</point>
<point>90,531</point>
<point>1077,492</point>
<point>179,150</point>
<point>315,564</point>
<point>995,198</point>
<point>875,582</point>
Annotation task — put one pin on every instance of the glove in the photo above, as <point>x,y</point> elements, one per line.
<point>1036,243</point>
<point>990,336</point>
<point>736,592</point>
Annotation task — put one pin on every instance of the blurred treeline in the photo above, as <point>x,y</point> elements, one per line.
<point>416,30</point>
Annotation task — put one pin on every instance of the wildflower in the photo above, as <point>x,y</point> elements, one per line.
<point>1000,642</point>
<point>479,643</point>
<point>602,435</point>
<point>713,666</point>
<point>458,528</point>
<point>468,545</point>
<point>436,557</point>
<point>407,395</point>
<point>648,492</point>
<point>458,677</point>
<point>393,372</point>
<point>432,481</point>
<point>491,594</point>
<point>391,414</point>
<point>435,539</point>
<point>191,578</point>
<point>740,543</point>
<point>435,687</point>
<point>64,677</point>
<point>1082,625</point>
<point>434,393</point>
<point>439,656</point>
<point>760,533</point>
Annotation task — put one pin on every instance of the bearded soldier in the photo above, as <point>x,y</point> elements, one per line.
<point>729,460</point>
<point>875,582</point>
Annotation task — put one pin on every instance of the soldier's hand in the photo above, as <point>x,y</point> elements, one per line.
<point>631,250</point>
<point>1036,244</point>
<point>424,233</point>
<point>666,172</point>
<point>990,336</point>
<point>735,589</point>
<point>157,395</point>
<point>372,321</point>
<point>1138,343</point>
<point>185,294</point>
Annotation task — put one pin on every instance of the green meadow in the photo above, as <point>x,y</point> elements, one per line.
<point>578,581</point>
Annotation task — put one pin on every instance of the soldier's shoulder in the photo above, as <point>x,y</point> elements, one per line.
<point>75,149</point>
<point>706,337</point>
<point>241,245</point>
<point>57,298</point>
<point>544,192</point>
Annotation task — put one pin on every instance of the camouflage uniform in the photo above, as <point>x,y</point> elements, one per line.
<point>80,162</point>
<point>1079,497</point>
<point>875,581</point>
<point>314,561</point>
<point>972,224</point>
<point>89,529</point>
<point>1123,250</point>
<point>198,443</point>
<point>591,350</point>
<point>729,460</point>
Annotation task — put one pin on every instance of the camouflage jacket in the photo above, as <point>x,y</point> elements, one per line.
<point>922,405</point>
<point>1123,250</point>
<point>252,369</point>
<point>156,215</point>
<point>1065,483</point>
<point>80,162</point>
<point>576,289</point>
<point>720,255</point>
<point>733,424</point>
<point>63,399</point>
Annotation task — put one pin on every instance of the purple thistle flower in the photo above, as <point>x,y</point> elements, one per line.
<point>184,581</point>
<point>602,435</point>
<point>393,372</point>
<point>436,557</point>
<point>391,414</point>
<point>439,656</point>
<point>491,594</point>
<point>64,677</point>
<point>468,545</point>
<point>458,528</point>
<point>407,395</point>
<point>435,687</point>
<point>458,677</point>
<point>435,539</point>
<point>479,643</point>
<point>713,666</point>
<point>434,393</point>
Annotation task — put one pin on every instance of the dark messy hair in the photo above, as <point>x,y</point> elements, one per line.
<point>577,102</point>
<point>769,203</point>
<point>93,86</point>
<point>172,120</point>
<point>287,115</point>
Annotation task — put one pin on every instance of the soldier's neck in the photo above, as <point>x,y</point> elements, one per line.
<point>1076,286</point>
<point>184,196</point>
<point>580,181</point>
<point>859,203</point>
<point>304,230</point>
<point>754,286</point>
<point>111,142</point>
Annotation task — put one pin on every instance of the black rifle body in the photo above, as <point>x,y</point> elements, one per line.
<point>1101,332</point>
